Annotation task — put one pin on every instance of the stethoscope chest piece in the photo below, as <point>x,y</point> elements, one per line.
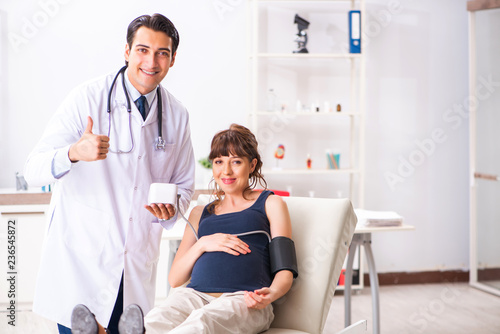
<point>160,144</point>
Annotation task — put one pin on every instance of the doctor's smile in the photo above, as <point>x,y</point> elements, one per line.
<point>149,73</point>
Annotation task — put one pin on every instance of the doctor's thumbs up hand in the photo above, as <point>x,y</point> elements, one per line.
<point>90,147</point>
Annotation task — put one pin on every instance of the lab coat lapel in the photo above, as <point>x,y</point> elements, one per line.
<point>121,99</point>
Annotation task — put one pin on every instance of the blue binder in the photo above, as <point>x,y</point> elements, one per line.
<point>355,31</point>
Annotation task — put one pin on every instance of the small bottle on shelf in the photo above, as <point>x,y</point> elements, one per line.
<point>309,161</point>
<point>271,100</point>
<point>298,106</point>
<point>326,106</point>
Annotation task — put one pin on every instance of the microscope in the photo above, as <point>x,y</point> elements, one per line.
<point>301,38</point>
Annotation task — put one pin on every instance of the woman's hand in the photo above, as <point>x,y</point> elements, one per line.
<point>221,242</point>
<point>258,299</point>
<point>161,211</point>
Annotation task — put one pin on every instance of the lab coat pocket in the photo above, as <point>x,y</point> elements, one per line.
<point>87,230</point>
<point>162,163</point>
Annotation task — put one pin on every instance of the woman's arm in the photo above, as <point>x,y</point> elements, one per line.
<point>191,249</point>
<point>180,272</point>
<point>279,220</point>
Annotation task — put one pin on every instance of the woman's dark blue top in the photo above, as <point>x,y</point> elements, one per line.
<point>223,272</point>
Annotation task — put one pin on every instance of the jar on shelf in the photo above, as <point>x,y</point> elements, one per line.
<point>271,100</point>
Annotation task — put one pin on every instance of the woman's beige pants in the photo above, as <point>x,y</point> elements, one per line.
<point>189,311</point>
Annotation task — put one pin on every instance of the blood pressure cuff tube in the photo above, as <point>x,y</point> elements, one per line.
<point>283,257</point>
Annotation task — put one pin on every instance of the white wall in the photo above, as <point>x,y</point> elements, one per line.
<point>416,73</point>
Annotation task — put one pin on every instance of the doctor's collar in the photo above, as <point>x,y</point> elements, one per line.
<point>135,94</point>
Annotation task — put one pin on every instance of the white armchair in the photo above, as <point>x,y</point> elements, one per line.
<point>322,230</point>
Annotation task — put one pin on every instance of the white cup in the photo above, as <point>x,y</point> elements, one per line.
<point>165,193</point>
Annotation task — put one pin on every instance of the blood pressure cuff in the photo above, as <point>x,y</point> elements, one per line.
<point>283,257</point>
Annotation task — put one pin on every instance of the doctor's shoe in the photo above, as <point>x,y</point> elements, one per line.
<point>83,321</point>
<point>131,320</point>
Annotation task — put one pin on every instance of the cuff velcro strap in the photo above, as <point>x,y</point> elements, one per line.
<point>283,257</point>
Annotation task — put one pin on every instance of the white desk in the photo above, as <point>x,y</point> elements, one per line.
<point>363,237</point>
<point>30,226</point>
<point>173,237</point>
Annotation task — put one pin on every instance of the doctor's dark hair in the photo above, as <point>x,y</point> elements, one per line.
<point>156,22</point>
<point>241,142</point>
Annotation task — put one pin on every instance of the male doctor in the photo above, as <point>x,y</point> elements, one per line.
<point>102,245</point>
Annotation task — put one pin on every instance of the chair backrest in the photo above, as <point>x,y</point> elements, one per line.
<point>322,230</point>
<point>204,199</point>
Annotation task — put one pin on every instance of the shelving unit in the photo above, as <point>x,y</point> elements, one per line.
<point>484,170</point>
<point>326,76</point>
<point>328,73</point>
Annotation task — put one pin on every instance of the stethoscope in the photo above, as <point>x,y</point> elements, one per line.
<point>159,143</point>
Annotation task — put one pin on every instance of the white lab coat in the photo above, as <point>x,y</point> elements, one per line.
<point>98,226</point>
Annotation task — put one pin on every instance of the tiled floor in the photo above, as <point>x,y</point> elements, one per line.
<point>405,309</point>
<point>426,308</point>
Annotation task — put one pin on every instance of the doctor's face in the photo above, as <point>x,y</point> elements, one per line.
<point>149,59</point>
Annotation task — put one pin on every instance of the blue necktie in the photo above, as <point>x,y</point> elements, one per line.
<point>141,105</point>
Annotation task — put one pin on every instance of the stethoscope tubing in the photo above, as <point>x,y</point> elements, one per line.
<point>236,235</point>
<point>160,143</point>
